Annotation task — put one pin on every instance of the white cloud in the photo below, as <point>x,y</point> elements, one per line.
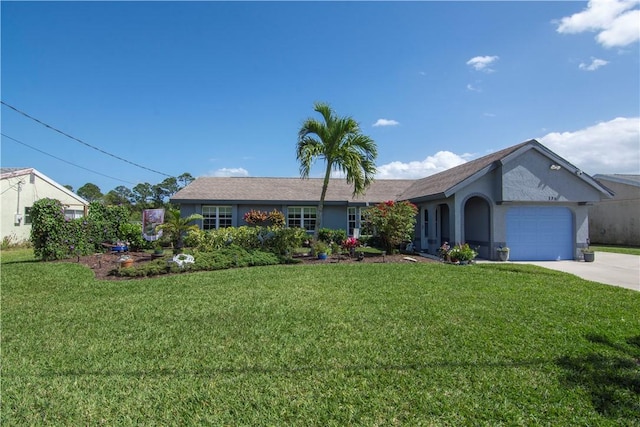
<point>595,64</point>
<point>624,30</point>
<point>227,172</point>
<point>385,122</point>
<point>481,63</point>
<point>607,147</point>
<point>473,88</point>
<point>616,21</point>
<point>439,162</point>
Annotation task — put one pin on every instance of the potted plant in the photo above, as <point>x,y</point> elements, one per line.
<point>158,251</point>
<point>321,249</point>
<point>462,253</point>
<point>125,261</point>
<point>588,254</point>
<point>503,253</point>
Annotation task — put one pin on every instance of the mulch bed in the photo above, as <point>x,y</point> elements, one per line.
<point>103,264</point>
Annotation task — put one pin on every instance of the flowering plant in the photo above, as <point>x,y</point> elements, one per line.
<point>443,250</point>
<point>350,243</point>
<point>462,252</point>
<point>459,252</point>
<point>393,221</point>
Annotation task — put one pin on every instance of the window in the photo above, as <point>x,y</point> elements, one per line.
<point>304,217</point>
<point>73,213</point>
<point>426,222</point>
<point>27,215</point>
<point>355,219</point>
<point>216,217</point>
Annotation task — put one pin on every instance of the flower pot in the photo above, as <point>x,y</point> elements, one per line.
<point>503,255</point>
<point>126,263</point>
<point>589,256</point>
<point>322,255</point>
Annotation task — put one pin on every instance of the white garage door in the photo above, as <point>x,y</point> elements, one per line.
<point>539,233</point>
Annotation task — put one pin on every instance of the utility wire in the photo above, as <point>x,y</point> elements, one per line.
<point>63,160</point>
<point>80,141</point>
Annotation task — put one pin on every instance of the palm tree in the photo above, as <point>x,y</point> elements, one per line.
<point>177,226</point>
<point>343,147</point>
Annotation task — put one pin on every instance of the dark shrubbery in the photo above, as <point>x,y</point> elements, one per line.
<point>229,257</point>
<point>54,237</point>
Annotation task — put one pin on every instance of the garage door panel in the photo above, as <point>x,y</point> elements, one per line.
<point>539,233</point>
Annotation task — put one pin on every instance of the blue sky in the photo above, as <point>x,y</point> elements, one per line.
<point>221,88</point>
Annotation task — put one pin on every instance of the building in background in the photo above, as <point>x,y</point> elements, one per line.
<point>20,188</point>
<point>616,221</point>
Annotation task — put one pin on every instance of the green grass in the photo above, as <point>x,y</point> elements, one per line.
<point>325,345</point>
<point>630,250</point>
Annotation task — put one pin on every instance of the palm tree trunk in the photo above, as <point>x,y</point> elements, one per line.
<point>325,185</point>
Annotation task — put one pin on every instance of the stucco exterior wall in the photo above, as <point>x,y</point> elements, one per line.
<point>335,217</point>
<point>532,178</point>
<point>21,192</point>
<point>616,221</point>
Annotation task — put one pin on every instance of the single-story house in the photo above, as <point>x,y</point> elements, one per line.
<point>616,221</point>
<point>524,197</point>
<point>21,187</point>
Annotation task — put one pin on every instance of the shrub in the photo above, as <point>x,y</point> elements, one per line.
<point>285,240</point>
<point>54,237</point>
<point>132,233</point>
<point>394,222</point>
<point>328,235</point>
<point>275,218</point>
<point>48,232</point>
<point>274,239</point>
<point>232,256</point>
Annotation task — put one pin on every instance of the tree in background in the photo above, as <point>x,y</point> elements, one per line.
<point>339,141</point>
<point>185,179</point>
<point>90,192</point>
<point>120,195</point>
<point>141,196</point>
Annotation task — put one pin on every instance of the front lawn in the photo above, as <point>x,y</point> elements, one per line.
<point>629,250</point>
<point>326,345</point>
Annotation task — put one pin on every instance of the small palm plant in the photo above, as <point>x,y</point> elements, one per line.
<point>177,226</point>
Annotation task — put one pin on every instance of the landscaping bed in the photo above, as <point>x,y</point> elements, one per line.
<point>104,264</point>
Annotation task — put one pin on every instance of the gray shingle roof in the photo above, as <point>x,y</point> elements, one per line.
<point>286,190</point>
<point>439,183</point>
<point>442,184</point>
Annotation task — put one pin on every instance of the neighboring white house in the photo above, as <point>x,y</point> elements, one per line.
<point>21,187</point>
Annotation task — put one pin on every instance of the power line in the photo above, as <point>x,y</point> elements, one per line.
<point>63,160</point>
<point>81,141</point>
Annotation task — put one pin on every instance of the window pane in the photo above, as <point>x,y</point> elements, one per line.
<point>426,223</point>
<point>27,215</point>
<point>224,217</point>
<point>216,217</point>
<point>294,216</point>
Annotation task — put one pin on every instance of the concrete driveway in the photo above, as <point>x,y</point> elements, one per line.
<point>608,268</point>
